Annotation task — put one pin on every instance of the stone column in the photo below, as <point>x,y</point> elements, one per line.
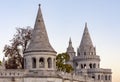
<point>52,66</point>
<point>37,62</point>
<point>29,65</point>
<point>87,65</point>
<point>46,63</point>
<point>54,63</point>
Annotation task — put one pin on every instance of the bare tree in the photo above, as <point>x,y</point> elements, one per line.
<point>15,50</point>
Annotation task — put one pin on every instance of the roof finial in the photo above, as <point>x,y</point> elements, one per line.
<point>85,24</point>
<point>39,5</point>
<point>70,40</point>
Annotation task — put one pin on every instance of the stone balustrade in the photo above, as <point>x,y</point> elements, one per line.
<point>87,57</point>
<point>74,77</point>
<point>99,70</point>
<point>12,73</point>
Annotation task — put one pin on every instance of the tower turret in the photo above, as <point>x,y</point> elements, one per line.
<point>70,51</point>
<point>40,55</point>
<point>70,47</point>
<point>86,53</point>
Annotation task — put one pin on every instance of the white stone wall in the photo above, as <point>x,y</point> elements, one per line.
<point>11,79</point>
<point>35,79</point>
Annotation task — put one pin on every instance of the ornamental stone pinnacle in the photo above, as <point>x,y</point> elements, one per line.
<point>70,47</point>
<point>39,41</point>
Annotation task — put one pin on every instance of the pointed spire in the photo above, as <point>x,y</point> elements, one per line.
<point>39,41</point>
<point>86,46</point>
<point>86,39</point>
<point>85,24</point>
<point>70,47</point>
<point>70,42</point>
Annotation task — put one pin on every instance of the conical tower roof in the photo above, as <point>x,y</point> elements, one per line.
<point>86,46</point>
<point>86,39</point>
<point>39,41</point>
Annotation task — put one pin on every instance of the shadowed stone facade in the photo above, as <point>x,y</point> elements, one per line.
<point>40,61</point>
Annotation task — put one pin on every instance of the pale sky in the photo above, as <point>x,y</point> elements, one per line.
<point>66,18</point>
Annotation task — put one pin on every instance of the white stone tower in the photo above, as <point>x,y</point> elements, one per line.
<point>87,63</point>
<point>86,52</point>
<point>40,56</point>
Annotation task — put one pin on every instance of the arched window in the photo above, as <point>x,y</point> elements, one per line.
<point>105,77</point>
<point>76,64</point>
<point>85,66</point>
<point>41,63</point>
<point>90,65</point>
<point>33,62</point>
<point>109,77</point>
<point>98,77</point>
<point>84,53</point>
<point>82,66</point>
<point>93,77</point>
<point>94,65</point>
<point>49,60</point>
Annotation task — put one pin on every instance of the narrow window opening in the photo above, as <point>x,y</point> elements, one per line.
<point>94,65</point>
<point>84,53</point>
<point>105,77</point>
<point>33,63</point>
<point>93,77</point>
<point>82,66</point>
<point>49,60</point>
<point>41,63</point>
<point>90,65</point>
<point>85,66</point>
<point>109,77</point>
<point>98,77</point>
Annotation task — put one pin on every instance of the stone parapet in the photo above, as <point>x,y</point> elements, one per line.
<point>12,72</point>
<point>99,70</point>
<point>41,73</point>
<point>87,57</point>
<point>74,77</point>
